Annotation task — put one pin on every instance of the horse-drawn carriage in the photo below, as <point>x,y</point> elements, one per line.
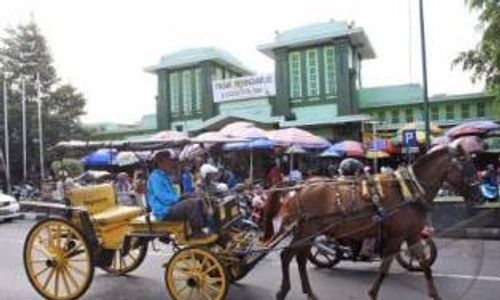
<point>91,230</point>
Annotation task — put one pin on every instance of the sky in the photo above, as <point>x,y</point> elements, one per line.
<point>102,47</point>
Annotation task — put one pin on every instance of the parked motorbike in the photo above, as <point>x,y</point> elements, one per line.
<point>25,191</point>
<point>327,253</point>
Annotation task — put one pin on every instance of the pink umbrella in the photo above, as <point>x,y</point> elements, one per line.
<point>170,135</point>
<point>472,144</point>
<point>297,137</point>
<point>249,133</point>
<point>472,128</point>
<point>234,127</point>
<point>215,137</point>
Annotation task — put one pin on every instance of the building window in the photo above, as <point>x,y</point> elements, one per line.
<point>465,108</point>
<point>330,70</point>
<point>381,116</point>
<point>395,116</point>
<point>312,74</point>
<point>187,93</point>
<point>434,113</point>
<point>174,93</point>
<point>450,114</point>
<point>197,87</point>
<point>295,79</point>
<point>481,111</point>
<point>409,115</point>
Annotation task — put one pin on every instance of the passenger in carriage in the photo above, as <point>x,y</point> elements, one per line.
<point>164,200</point>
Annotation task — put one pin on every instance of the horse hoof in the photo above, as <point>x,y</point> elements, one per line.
<point>312,297</point>
<point>280,295</point>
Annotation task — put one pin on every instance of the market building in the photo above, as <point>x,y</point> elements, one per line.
<point>316,85</point>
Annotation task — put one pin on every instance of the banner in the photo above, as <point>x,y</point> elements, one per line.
<point>243,87</point>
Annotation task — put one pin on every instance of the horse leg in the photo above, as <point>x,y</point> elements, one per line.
<point>417,250</point>
<point>302,264</point>
<point>286,258</point>
<point>390,248</point>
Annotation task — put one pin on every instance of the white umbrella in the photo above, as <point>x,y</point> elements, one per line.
<point>126,158</point>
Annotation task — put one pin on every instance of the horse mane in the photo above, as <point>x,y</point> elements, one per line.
<point>430,156</point>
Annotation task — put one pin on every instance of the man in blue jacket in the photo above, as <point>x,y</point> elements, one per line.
<point>165,201</point>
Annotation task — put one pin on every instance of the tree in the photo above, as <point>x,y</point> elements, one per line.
<point>24,53</point>
<point>484,60</point>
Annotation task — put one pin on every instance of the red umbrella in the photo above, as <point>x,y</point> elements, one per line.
<point>235,127</point>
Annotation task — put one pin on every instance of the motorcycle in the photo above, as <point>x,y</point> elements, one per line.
<point>327,253</point>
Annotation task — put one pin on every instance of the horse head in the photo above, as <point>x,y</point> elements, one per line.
<point>451,164</point>
<point>462,173</point>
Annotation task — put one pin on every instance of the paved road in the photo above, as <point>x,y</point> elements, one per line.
<point>464,270</point>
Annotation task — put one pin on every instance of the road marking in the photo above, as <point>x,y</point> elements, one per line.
<point>469,277</point>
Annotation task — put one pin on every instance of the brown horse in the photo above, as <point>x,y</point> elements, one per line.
<point>339,210</point>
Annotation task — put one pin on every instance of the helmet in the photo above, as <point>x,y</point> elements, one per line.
<point>207,169</point>
<point>222,187</point>
<point>350,167</point>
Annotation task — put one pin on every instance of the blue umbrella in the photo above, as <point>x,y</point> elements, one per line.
<point>100,158</point>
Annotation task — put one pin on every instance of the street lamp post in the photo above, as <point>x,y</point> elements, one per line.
<point>23,107</point>
<point>424,77</point>
<point>6,132</point>
<point>40,128</point>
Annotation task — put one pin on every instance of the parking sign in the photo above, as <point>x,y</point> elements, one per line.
<point>410,138</point>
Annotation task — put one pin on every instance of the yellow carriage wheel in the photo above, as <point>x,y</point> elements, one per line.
<point>196,274</point>
<point>57,260</point>
<point>125,263</point>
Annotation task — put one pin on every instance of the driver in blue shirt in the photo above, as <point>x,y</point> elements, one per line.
<point>165,201</point>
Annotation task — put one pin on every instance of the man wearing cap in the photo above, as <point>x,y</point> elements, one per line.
<point>164,200</point>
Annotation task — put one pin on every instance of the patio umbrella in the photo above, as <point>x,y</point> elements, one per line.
<point>126,158</point>
<point>294,136</point>
<point>472,128</point>
<point>257,144</point>
<point>349,148</point>
<point>248,133</point>
<point>170,135</point>
<point>213,137</point>
<point>235,127</point>
<point>101,157</point>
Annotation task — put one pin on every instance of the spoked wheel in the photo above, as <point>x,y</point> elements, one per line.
<point>410,263</point>
<point>122,263</point>
<point>323,259</point>
<point>57,260</point>
<point>196,274</point>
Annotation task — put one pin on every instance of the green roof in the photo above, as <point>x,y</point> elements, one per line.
<point>318,33</point>
<point>397,95</point>
<point>389,95</point>
<point>193,56</point>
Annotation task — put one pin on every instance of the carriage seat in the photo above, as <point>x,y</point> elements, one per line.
<point>117,214</point>
<point>140,225</point>
<point>100,202</point>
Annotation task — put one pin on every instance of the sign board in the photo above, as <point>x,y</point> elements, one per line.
<point>410,138</point>
<point>243,87</point>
